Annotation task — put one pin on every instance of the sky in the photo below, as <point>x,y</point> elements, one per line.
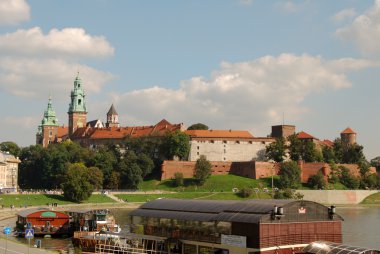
<point>230,64</point>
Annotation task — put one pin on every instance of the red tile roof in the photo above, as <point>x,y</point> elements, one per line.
<point>348,130</point>
<point>159,129</point>
<point>304,135</point>
<point>62,131</point>
<point>218,134</point>
<point>327,143</point>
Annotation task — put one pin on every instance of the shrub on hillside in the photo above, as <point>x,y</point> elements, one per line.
<point>178,179</point>
<point>317,181</point>
<point>245,192</point>
<point>347,179</point>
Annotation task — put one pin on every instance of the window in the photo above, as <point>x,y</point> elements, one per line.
<point>50,133</point>
<point>79,101</point>
<point>198,147</point>
<point>250,142</point>
<point>197,153</point>
<point>212,141</point>
<point>237,142</point>
<point>224,141</point>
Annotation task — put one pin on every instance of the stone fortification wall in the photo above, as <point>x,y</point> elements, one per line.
<point>251,169</point>
<point>227,150</point>
<point>336,197</point>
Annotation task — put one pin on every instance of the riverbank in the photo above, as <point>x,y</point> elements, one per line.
<point>7,213</point>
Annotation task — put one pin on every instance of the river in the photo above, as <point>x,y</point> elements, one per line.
<point>360,227</point>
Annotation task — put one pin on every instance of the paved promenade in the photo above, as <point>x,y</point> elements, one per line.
<point>7,246</point>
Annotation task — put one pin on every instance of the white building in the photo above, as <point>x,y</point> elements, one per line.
<point>8,172</point>
<point>226,145</point>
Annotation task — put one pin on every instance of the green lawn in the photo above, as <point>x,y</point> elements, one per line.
<point>43,199</point>
<point>374,199</point>
<point>188,195</point>
<point>217,183</point>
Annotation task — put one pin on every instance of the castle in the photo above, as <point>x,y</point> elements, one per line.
<point>92,133</point>
<point>216,145</point>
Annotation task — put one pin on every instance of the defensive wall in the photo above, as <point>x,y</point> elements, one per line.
<point>252,169</point>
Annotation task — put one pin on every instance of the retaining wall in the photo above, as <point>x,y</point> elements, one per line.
<point>337,197</point>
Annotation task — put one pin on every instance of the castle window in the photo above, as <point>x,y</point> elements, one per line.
<point>237,142</point>
<point>50,133</point>
<point>224,142</point>
<point>197,153</point>
<point>212,141</point>
<point>224,150</point>
<point>79,101</point>
<point>198,147</point>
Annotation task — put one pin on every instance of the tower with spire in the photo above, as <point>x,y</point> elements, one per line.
<point>112,118</point>
<point>48,130</point>
<point>77,109</point>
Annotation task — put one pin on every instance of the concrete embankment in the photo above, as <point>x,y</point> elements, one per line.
<point>337,197</point>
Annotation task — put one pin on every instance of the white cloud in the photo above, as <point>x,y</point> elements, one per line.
<point>13,12</point>
<point>364,31</point>
<point>72,42</point>
<point>344,14</point>
<point>242,95</point>
<point>37,77</point>
<point>290,6</point>
<point>246,2</point>
<point>22,122</point>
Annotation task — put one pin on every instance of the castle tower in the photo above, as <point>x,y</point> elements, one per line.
<point>77,108</point>
<point>48,130</point>
<point>348,136</point>
<point>112,117</point>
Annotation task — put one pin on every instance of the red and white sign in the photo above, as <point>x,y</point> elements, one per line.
<point>302,210</point>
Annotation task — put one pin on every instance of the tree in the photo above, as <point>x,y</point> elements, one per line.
<point>198,126</point>
<point>10,147</point>
<point>276,150</point>
<point>178,179</point>
<point>202,170</point>
<point>353,154</point>
<point>77,184</point>
<point>310,152</point>
<point>295,148</point>
<point>328,154</point>
<point>318,181</point>
<point>290,175</point>
<point>177,144</point>
<point>375,162</point>
<point>347,179</point>
<point>96,178</point>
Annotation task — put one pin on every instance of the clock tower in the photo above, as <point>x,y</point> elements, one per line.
<point>77,108</point>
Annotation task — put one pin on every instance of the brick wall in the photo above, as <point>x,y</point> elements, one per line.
<point>251,169</point>
<point>311,169</point>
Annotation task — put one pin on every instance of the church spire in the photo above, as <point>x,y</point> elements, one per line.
<point>77,108</point>
<point>112,117</point>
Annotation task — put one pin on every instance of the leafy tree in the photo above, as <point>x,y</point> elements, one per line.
<point>375,162</point>
<point>371,181</point>
<point>318,181</point>
<point>334,174</point>
<point>328,154</point>
<point>310,152</point>
<point>290,175</point>
<point>245,192</point>
<point>146,164</point>
<point>77,184</point>
<point>198,126</point>
<point>347,179</point>
<point>276,150</point>
<point>31,167</point>
<point>202,170</point>
<point>177,144</point>
<point>96,178</point>
<point>295,148</point>
<point>113,182</point>
<point>338,150</point>
<point>353,154</point>
<point>131,178</point>
<point>10,147</point>
<point>106,161</point>
<point>178,179</point>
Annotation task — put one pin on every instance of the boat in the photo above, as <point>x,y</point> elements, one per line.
<point>92,220</point>
<point>43,221</point>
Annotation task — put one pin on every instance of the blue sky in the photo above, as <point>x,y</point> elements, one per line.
<point>231,64</point>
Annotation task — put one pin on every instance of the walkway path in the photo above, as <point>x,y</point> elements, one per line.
<point>111,196</point>
<point>7,246</point>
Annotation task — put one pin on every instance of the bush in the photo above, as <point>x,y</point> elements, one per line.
<point>349,180</point>
<point>245,192</point>
<point>317,181</point>
<point>290,175</point>
<point>287,194</point>
<point>202,170</point>
<point>178,179</point>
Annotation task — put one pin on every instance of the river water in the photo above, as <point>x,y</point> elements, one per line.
<point>361,227</point>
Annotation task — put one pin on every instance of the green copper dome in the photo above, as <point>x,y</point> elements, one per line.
<point>78,103</point>
<point>49,118</point>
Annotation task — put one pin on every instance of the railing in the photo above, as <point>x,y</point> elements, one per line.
<point>125,248</point>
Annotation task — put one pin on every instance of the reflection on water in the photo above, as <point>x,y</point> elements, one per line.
<point>360,228</point>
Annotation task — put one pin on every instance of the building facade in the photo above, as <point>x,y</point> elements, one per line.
<point>8,172</point>
<point>226,145</point>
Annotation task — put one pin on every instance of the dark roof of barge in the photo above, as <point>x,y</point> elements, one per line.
<point>250,211</point>
<point>322,247</point>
